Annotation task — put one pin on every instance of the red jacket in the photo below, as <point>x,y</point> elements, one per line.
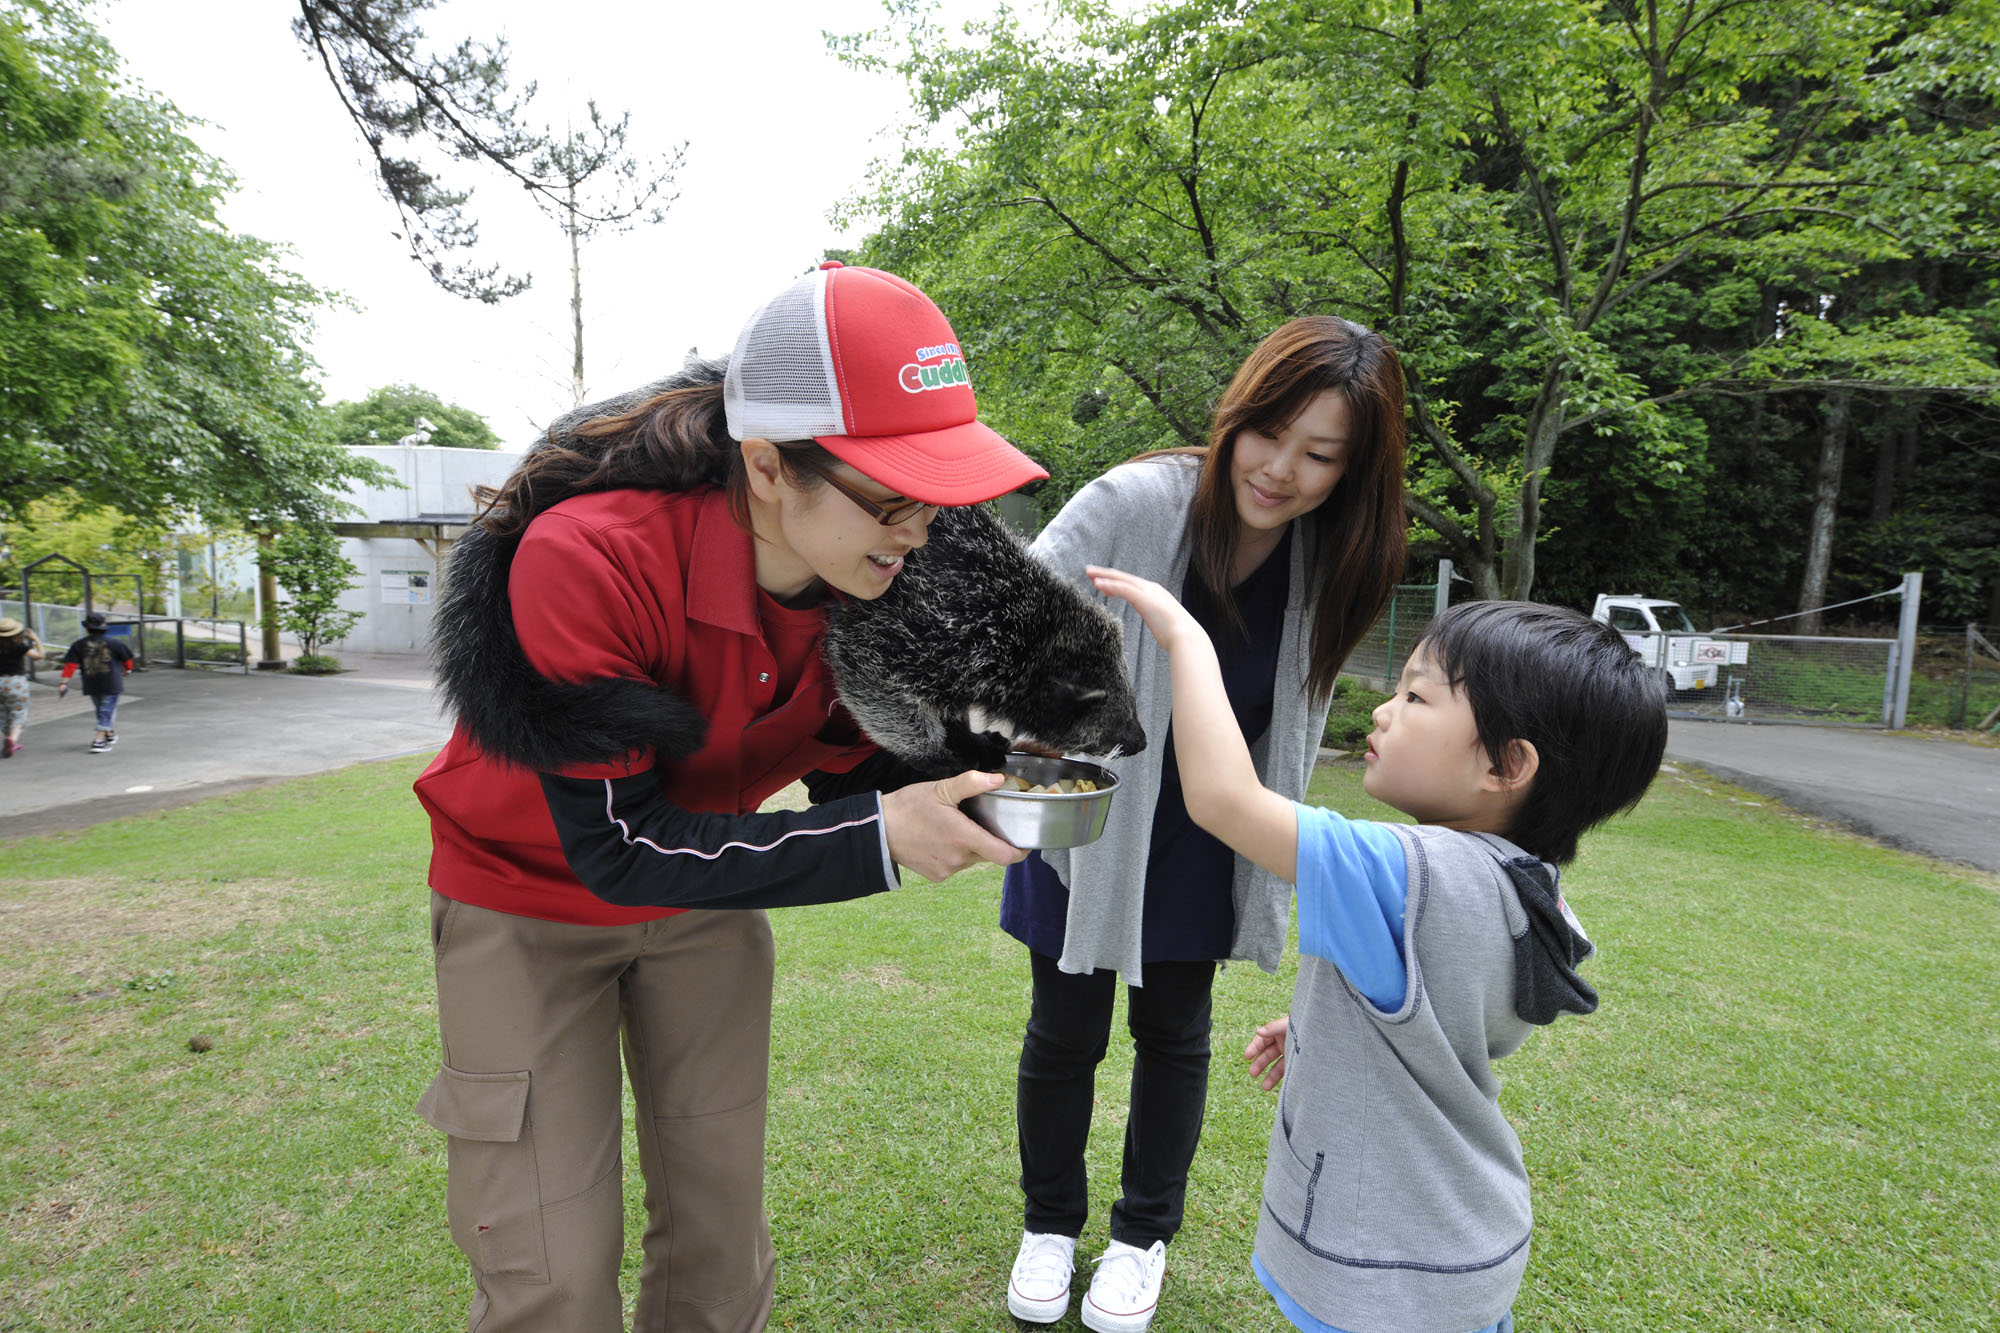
<point>660,588</point>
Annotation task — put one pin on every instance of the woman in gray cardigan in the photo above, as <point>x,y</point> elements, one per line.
<point>1285,538</point>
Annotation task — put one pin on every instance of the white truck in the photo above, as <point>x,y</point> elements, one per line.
<point>1661,633</point>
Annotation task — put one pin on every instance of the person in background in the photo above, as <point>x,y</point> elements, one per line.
<point>103,661</point>
<point>1285,538</point>
<point>1427,951</point>
<point>18,647</point>
<point>630,635</point>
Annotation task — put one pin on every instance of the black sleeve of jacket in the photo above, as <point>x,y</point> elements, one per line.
<point>633,848</point>
<point>880,771</point>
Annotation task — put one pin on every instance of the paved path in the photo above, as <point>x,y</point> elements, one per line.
<point>183,735</point>
<point>1924,794</point>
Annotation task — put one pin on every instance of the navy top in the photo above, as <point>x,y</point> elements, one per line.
<point>1190,908</point>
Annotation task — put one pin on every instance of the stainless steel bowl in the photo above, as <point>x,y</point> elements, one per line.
<point>1036,820</point>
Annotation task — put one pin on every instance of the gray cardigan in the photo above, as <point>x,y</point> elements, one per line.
<point>1135,518</point>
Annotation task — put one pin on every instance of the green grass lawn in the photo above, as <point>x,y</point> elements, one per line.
<point>1785,1116</point>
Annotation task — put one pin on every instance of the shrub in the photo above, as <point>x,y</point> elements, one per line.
<point>315,664</point>
<point>1350,719</point>
<point>202,650</point>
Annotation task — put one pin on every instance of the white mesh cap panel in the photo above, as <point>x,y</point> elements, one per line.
<point>780,383</point>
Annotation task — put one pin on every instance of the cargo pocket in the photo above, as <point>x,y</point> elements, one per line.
<point>493,1193</point>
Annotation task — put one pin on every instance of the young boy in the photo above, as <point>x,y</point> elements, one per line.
<point>104,661</point>
<point>1395,1199</point>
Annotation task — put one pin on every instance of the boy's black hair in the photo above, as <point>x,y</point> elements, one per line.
<point>1574,689</point>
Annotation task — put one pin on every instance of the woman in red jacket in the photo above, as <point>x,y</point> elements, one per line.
<point>630,635</point>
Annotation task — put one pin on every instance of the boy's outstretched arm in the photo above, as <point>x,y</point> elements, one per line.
<point>1218,776</point>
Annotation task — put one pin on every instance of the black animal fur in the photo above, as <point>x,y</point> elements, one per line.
<point>516,714</point>
<point>975,632</point>
<point>513,712</point>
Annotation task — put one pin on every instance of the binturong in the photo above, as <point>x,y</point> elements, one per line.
<point>975,647</point>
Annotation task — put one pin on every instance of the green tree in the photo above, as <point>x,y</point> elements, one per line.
<point>393,411</point>
<point>102,540</point>
<point>1528,196</point>
<point>150,361</point>
<point>308,565</point>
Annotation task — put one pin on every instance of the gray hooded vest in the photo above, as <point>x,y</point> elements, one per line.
<point>1395,1199</point>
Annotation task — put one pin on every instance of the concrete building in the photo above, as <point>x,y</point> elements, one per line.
<point>400,535</point>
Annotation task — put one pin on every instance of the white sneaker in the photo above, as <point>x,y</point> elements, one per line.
<point>1126,1289</point>
<point>1038,1289</point>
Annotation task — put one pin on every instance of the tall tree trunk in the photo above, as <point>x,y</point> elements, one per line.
<point>1826,500</point>
<point>1883,503</point>
<point>1517,565</point>
<point>1894,459</point>
<point>575,302</point>
<point>267,597</point>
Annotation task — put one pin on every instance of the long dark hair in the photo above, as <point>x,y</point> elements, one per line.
<point>1360,530</point>
<point>671,436</point>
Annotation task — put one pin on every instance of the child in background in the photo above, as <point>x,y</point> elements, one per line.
<point>1395,1198</point>
<point>104,661</point>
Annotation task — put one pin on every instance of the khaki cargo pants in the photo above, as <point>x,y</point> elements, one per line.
<point>532,1014</point>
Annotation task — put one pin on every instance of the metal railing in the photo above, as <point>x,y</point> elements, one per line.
<point>197,641</point>
<point>208,644</point>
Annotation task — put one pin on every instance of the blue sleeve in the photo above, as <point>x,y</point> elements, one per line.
<point>1352,880</point>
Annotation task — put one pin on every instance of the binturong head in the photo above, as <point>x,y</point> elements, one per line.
<point>1530,721</point>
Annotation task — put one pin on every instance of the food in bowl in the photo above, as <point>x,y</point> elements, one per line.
<point>1060,787</point>
<point>1046,802</point>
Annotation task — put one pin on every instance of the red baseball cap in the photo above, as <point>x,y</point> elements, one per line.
<point>864,363</point>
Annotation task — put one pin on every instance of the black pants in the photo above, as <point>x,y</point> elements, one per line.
<point>1069,1030</point>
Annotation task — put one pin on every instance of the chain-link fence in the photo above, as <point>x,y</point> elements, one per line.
<point>1957,683</point>
<point>1380,655</point>
<point>1797,678</point>
<point>1848,680</point>
<point>1845,679</point>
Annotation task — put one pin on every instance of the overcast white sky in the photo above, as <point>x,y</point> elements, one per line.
<point>778,132</point>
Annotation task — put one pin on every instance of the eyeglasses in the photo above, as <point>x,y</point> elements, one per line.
<point>888,518</point>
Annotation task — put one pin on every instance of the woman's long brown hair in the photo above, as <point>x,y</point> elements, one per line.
<point>1360,529</point>
<point>674,439</point>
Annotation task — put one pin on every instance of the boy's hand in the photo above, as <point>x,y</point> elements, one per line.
<point>1266,1051</point>
<point>62,688</point>
<point>1160,609</point>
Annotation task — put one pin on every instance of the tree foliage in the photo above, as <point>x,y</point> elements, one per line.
<point>151,361</point>
<point>101,540</point>
<point>1584,224</point>
<point>388,414</point>
<point>403,95</point>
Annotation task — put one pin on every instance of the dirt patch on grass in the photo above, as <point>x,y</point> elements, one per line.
<point>887,976</point>
<point>64,914</point>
